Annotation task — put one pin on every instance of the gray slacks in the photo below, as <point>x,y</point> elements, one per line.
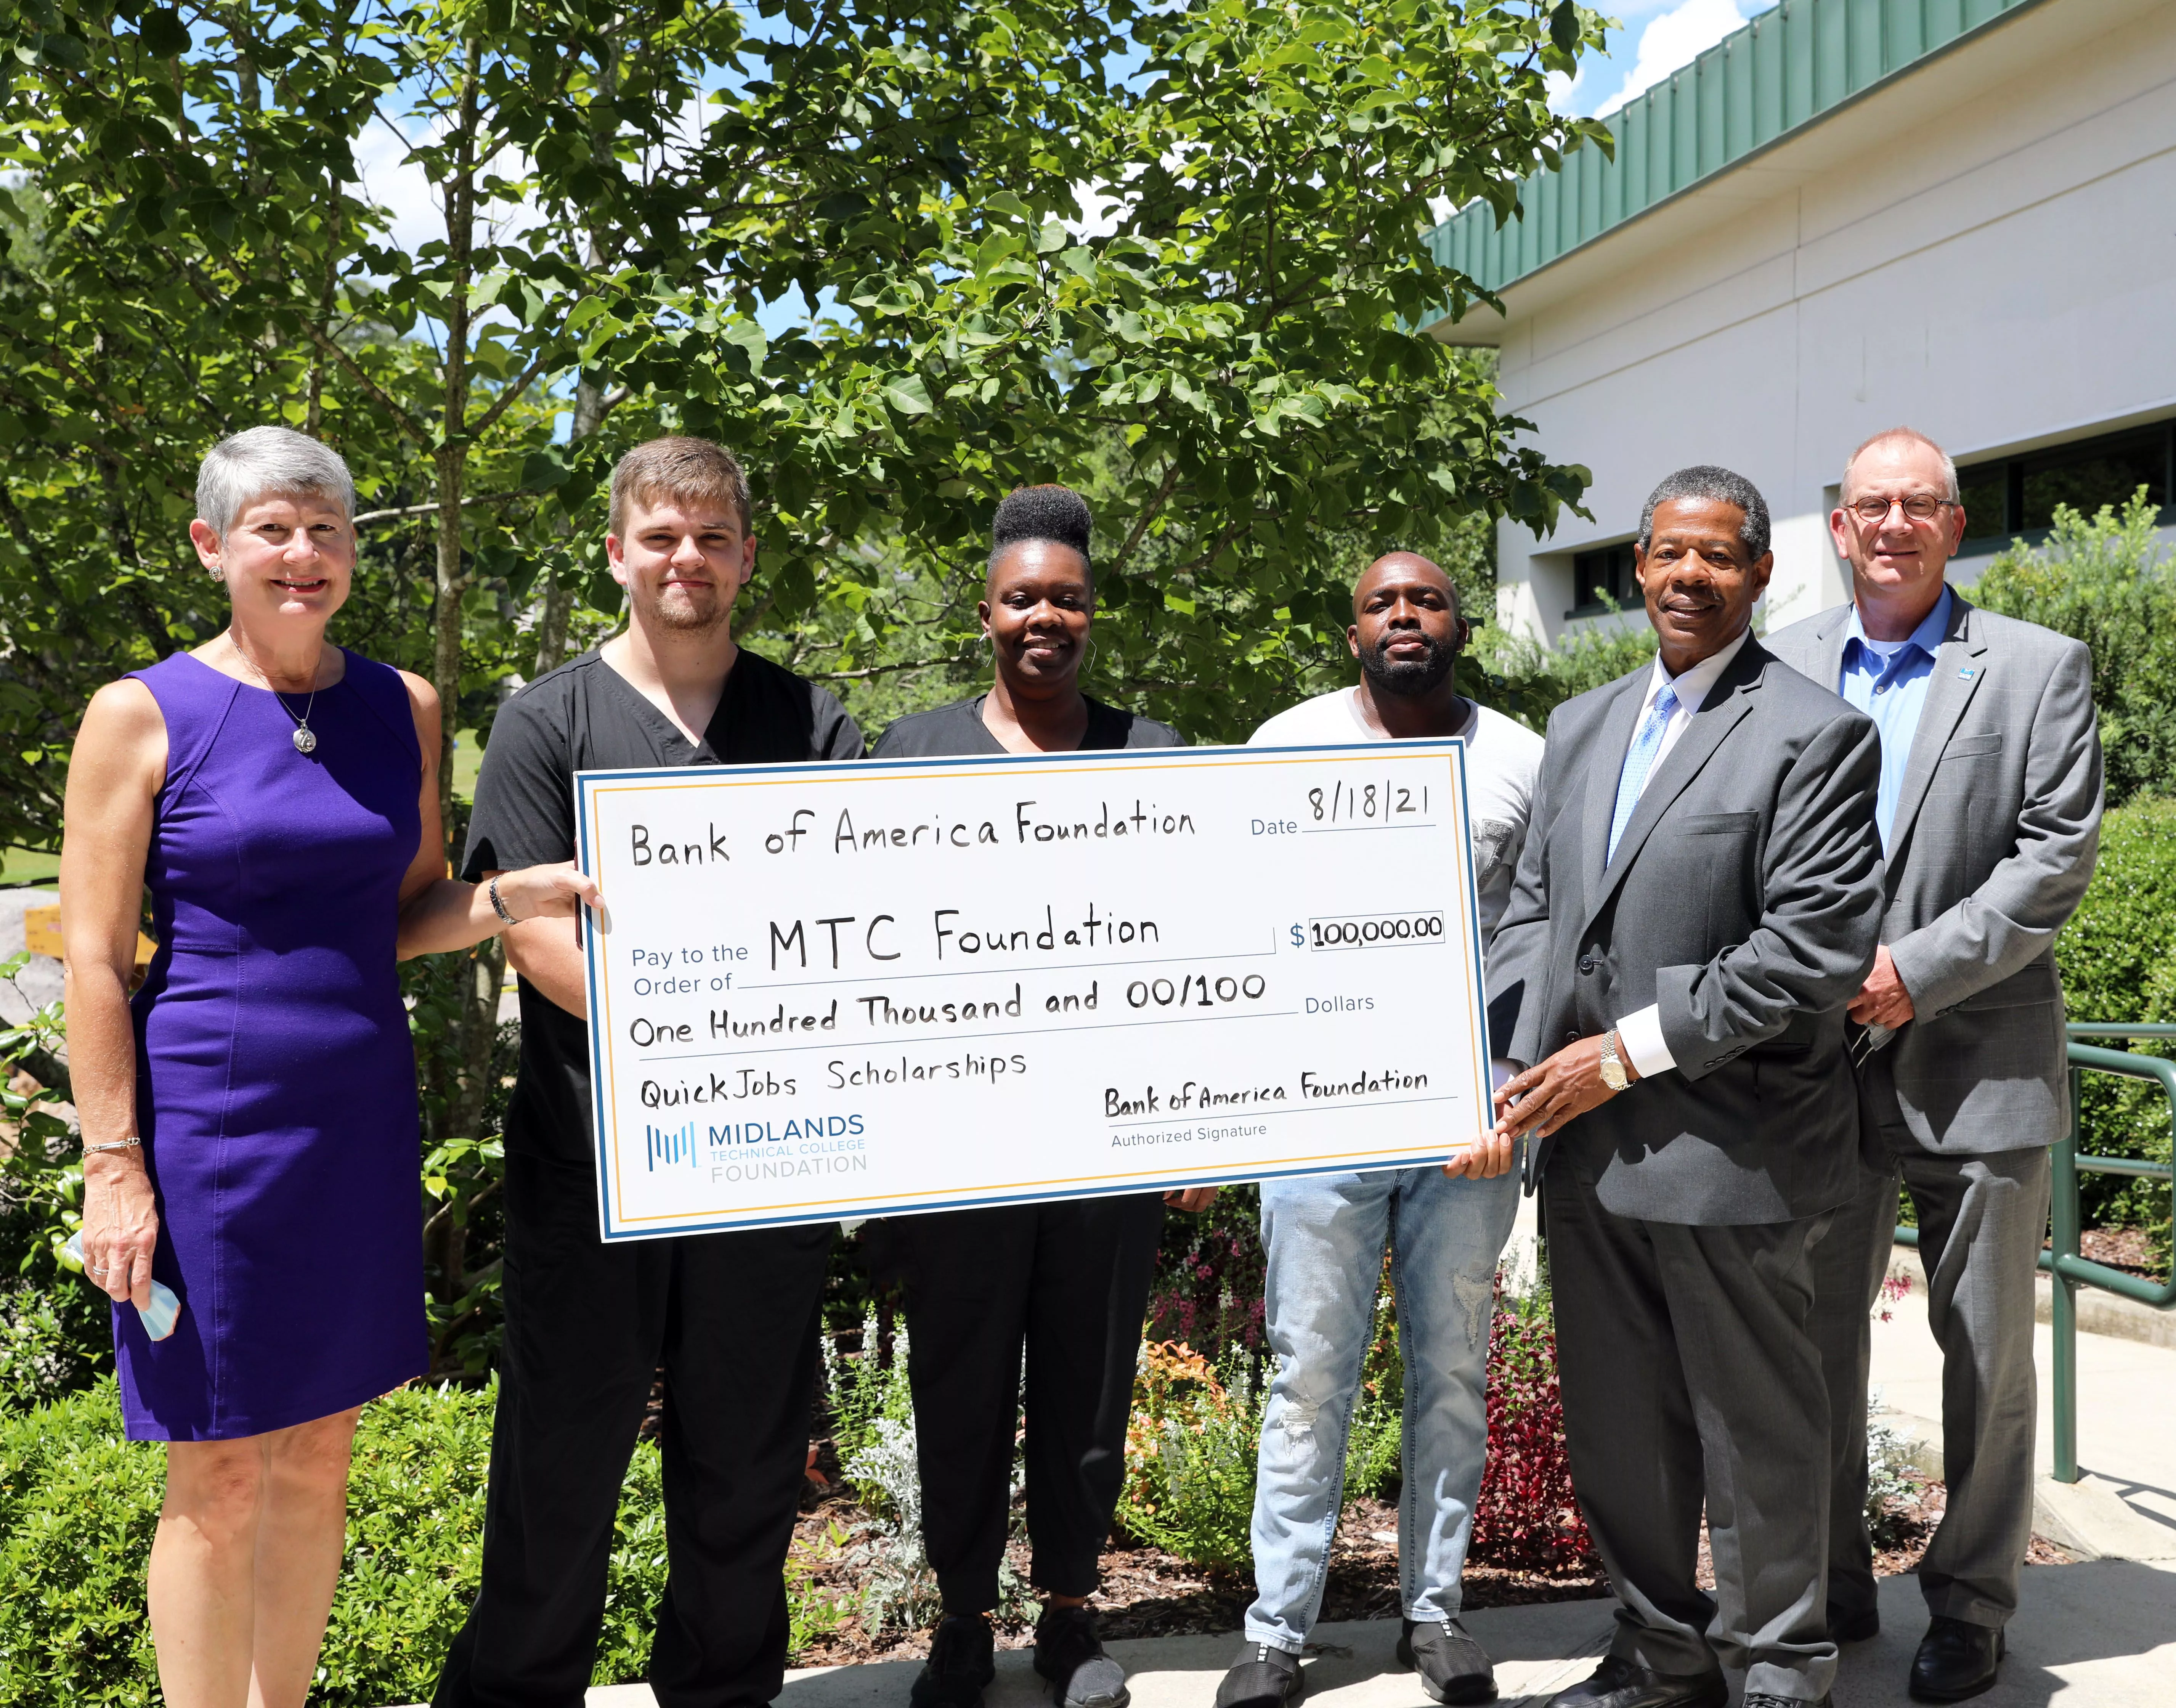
<point>1982,1220</point>
<point>1689,1380</point>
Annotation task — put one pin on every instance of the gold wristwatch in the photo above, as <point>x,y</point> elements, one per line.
<point>1613,1064</point>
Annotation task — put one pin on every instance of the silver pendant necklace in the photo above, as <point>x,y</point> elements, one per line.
<point>306,738</point>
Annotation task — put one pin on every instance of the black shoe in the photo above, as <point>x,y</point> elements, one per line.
<point>1761,1699</point>
<point>963,1660</point>
<point>1955,1659</point>
<point>1069,1653</point>
<point>1618,1683</point>
<point>1451,1665</point>
<point>1862,1627</point>
<point>1262,1677</point>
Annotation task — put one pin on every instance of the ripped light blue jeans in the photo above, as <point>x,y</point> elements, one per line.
<point>1324,1234</point>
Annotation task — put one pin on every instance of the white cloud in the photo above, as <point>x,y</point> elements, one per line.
<point>396,183</point>
<point>1100,211</point>
<point>1672,41</point>
<point>390,177</point>
<point>1563,91</point>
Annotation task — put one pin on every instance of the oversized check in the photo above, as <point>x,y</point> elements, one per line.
<point>824,990</point>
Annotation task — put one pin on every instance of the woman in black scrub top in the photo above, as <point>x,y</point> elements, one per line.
<point>1069,1281</point>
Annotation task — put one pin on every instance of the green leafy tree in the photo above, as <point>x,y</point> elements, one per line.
<point>1225,359</point>
<point>631,197</point>
<point>192,257</point>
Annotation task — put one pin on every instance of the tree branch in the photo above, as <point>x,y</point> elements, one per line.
<point>483,424</point>
<point>431,510</point>
<point>377,393</point>
<point>1147,516</point>
<point>885,669</point>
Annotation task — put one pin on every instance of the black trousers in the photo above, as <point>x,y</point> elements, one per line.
<point>1068,1283</point>
<point>1689,1379</point>
<point>733,1318</point>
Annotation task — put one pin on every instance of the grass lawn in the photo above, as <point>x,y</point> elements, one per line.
<point>22,865</point>
<point>19,866</point>
<point>468,761</point>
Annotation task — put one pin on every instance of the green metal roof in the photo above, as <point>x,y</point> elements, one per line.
<point>1783,71</point>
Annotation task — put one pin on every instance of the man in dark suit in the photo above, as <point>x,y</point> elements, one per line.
<point>1990,814</point>
<point>1697,901</point>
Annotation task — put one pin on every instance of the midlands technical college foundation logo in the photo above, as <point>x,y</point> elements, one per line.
<point>802,1144</point>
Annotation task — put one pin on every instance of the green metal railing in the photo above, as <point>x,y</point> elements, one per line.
<point>2070,1270</point>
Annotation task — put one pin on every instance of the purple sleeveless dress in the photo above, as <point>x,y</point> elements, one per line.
<point>275,1082</point>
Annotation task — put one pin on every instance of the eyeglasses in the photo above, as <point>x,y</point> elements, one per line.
<point>1919,507</point>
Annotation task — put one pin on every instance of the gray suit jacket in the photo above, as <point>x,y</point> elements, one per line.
<point>1990,850</point>
<point>1744,900</point>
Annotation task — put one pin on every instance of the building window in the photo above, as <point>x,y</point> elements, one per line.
<point>1603,577</point>
<point>2017,496</point>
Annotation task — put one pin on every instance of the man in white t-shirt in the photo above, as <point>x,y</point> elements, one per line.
<point>1446,1225</point>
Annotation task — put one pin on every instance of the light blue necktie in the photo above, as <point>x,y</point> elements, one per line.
<point>1637,763</point>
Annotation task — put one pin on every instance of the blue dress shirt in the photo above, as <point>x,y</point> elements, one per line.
<point>1887,680</point>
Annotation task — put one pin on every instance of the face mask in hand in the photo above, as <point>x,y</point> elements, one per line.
<point>160,1316</point>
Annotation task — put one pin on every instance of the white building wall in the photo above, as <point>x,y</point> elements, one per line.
<point>1985,249</point>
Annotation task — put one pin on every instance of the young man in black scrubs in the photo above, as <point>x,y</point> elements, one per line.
<point>731,1317</point>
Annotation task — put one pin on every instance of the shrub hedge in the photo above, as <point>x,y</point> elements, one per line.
<point>78,1505</point>
<point>2117,957</point>
<point>2107,580</point>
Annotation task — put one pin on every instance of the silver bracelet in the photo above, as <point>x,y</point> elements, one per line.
<point>500,907</point>
<point>113,1144</point>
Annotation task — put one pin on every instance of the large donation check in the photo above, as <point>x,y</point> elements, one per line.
<point>826,991</point>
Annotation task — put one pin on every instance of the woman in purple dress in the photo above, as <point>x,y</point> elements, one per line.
<point>249,1121</point>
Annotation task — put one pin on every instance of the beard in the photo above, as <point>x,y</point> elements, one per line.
<point>1407,678</point>
<point>680,613</point>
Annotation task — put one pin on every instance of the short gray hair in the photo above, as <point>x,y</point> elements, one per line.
<point>264,462</point>
<point>1716,485</point>
<point>1898,436</point>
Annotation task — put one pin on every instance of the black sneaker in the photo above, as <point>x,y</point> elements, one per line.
<point>1069,1653</point>
<point>1452,1667</point>
<point>1262,1677</point>
<point>963,1660</point>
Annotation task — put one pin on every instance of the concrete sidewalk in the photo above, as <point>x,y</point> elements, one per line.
<point>2124,1505</point>
<point>2100,1634</point>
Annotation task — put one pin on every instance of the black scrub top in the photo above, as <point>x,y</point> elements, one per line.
<point>585,717</point>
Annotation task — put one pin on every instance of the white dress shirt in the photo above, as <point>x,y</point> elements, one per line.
<point>1639,1035</point>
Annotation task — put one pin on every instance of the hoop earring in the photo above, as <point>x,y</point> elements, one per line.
<point>1088,655</point>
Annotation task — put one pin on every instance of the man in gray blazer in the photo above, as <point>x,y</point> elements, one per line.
<point>1990,814</point>
<point>1698,899</point>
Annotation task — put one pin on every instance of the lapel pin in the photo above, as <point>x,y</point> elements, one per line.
<point>1965,675</point>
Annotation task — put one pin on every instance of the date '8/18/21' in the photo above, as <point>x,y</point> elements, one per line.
<point>1373,805</point>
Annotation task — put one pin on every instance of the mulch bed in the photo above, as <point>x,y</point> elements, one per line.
<point>1148,1593</point>
<point>2129,1250</point>
<point>1900,1543</point>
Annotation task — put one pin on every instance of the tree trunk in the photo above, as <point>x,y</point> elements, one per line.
<point>451,456</point>
<point>559,598</point>
<point>589,395</point>
<point>476,1028</point>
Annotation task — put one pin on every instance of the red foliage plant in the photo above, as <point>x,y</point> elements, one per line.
<point>1526,1518</point>
<point>1210,1275</point>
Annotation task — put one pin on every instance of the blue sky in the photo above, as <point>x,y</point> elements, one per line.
<point>1657,38</point>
